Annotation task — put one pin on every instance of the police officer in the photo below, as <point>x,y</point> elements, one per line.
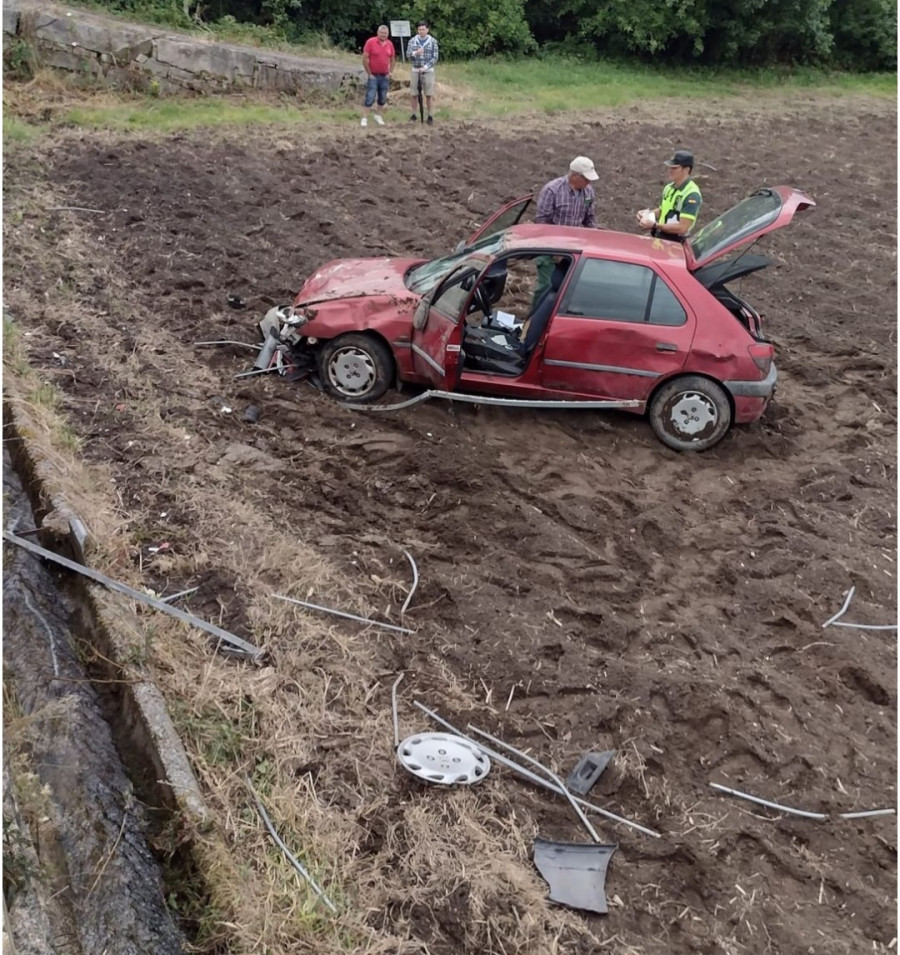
<point>677,212</point>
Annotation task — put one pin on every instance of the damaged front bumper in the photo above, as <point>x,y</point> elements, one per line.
<point>282,348</point>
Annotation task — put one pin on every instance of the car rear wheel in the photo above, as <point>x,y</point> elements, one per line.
<point>356,368</point>
<point>690,413</point>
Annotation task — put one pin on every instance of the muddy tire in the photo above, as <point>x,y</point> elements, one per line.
<point>357,368</point>
<point>690,413</point>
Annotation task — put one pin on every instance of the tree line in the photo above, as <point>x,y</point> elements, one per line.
<point>855,35</point>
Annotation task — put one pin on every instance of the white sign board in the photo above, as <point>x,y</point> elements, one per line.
<point>400,28</point>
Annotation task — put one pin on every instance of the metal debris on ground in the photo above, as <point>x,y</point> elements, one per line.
<point>561,405</point>
<point>344,614</point>
<point>280,843</point>
<point>236,646</point>
<point>576,873</point>
<point>394,710</point>
<point>181,593</point>
<point>833,621</point>
<point>444,759</point>
<point>770,805</point>
<point>587,771</point>
<point>415,582</point>
<point>547,772</point>
<point>867,813</point>
<point>228,341</point>
<point>533,777</point>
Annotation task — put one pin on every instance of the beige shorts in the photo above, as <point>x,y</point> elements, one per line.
<point>427,80</point>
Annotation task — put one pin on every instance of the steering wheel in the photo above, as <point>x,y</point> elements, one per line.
<point>481,300</point>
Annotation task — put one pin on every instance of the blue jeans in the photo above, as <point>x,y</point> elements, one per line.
<point>379,85</point>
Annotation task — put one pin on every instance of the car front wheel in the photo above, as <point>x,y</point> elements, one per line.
<point>356,368</point>
<point>690,413</point>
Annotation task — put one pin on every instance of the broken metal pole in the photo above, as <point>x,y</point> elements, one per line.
<point>181,593</point>
<point>843,609</point>
<point>394,710</point>
<point>533,777</point>
<point>548,772</point>
<point>343,613</point>
<point>280,843</point>
<point>228,341</point>
<point>223,636</point>
<point>770,805</point>
<point>415,582</point>
<point>562,405</point>
<point>865,626</point>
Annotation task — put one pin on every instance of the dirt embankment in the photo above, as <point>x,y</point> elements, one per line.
<point>582,587</point>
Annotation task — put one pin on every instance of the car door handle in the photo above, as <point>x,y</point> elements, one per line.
<point>666,346</point>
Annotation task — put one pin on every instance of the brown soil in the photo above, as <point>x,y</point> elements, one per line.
<point>582,587</point>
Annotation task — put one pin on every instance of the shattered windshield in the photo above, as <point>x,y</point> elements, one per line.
<point>740,222</point>
<point>423,278</point>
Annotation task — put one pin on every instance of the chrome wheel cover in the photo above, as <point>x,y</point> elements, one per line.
<point>691,414</point>
<point>352,371</point>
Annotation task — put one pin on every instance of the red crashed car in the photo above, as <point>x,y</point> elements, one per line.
<point>582,317</point>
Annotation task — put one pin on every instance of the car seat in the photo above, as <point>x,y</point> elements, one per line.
<point>505,352</point>
<point>540,314</point>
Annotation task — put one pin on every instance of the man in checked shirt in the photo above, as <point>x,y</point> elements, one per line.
<point>568,200</point>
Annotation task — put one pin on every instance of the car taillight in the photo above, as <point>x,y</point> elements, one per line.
<point>762,357</point>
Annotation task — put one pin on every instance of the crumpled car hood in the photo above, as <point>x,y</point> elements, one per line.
<point>353,278</point>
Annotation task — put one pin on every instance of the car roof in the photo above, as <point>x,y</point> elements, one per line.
<point>593,241</point>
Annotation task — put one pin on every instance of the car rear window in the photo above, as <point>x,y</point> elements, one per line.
<point>748,216</point>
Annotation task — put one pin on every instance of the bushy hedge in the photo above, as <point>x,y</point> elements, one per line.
<point>846,34</point>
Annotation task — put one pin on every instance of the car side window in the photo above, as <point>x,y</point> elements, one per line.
<point>665,309</point>
<point>623,292</point>
<point>451,299</point>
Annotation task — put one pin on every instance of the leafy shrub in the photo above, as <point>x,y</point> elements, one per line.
<point>20,60</point>
<point>464,28</point>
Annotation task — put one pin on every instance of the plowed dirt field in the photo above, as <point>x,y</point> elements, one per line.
<point>581,586</point>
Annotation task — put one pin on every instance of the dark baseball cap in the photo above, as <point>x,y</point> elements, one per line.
<point>681,158</point>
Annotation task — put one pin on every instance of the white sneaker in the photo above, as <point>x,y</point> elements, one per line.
<point>364,121</point>
<point>379,120</point>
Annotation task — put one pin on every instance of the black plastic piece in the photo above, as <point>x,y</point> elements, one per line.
<point>575,872</point>
<point>588,771</point>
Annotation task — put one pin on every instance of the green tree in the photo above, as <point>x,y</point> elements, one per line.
<point>466,28</point>
<point>865,34</point>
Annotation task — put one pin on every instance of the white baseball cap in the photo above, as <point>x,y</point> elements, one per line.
<point>584,167</point>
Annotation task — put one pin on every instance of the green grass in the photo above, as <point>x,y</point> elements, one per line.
<point>559,84</point>
<point>551,84</point>
<point>16,132</point>
<point>175,113</point>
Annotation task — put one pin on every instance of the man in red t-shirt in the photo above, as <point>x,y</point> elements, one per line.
<point>378,62</point>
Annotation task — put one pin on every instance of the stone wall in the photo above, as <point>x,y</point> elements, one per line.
<point>127,54</point>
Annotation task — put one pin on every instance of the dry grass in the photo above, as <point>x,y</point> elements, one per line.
<point>402,862</point>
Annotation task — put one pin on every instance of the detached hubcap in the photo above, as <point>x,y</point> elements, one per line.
<point>352,371</point>
<point>693,413</point>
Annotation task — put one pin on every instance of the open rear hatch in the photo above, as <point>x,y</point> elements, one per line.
<point>764,211</point>
<point>714,277</point>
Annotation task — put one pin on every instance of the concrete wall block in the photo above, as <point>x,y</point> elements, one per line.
<point>71,60</point>
<point>10,20</point>
<point>196,57</point>
<point>103,46</point>
<point>96,33</point>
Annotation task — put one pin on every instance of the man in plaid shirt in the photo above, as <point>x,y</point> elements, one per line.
<point>422,51</point>
<point>568,200</point>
